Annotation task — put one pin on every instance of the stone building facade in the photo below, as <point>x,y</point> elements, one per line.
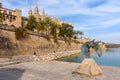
<point>11,17</point>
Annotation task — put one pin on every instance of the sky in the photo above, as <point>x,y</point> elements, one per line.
<point>97,19</point>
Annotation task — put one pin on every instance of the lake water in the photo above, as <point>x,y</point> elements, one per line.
<point>109,58</point>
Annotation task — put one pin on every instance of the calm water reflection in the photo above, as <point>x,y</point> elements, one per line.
<point>110,58</point>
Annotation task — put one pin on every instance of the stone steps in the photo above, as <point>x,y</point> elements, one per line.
<point>7,61</point>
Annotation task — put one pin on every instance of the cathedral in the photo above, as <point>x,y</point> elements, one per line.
<point>43,15</point>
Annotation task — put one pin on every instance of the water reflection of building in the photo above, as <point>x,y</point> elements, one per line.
<point>11,17</point>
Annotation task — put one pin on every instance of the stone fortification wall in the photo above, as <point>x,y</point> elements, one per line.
<point>36,44</point>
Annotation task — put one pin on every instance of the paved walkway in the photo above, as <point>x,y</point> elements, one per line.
<point>52,70</point>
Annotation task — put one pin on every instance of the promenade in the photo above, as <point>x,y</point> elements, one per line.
<point>52,70</point>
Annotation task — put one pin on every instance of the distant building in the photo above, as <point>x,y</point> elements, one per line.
<point>11,17</point>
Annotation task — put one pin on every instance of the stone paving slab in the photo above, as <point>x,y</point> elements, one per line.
<point>52,70</point>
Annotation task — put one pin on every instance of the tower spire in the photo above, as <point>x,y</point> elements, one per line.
<point>36,9</point>
<point>43,12</point>
<point>30,12</point>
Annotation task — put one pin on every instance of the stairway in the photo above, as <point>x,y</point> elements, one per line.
<point>8,61</point>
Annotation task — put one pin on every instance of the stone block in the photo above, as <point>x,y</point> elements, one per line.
<point>89,67</point>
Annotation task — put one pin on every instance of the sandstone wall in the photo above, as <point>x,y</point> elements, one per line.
<point>36,44</point>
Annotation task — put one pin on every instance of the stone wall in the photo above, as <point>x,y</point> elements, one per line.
<point>31,44</point>
<point>36,44</point>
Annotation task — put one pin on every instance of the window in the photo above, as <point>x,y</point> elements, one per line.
<point>10,13</point>
<point>14,18</point>
<point>10,18</point>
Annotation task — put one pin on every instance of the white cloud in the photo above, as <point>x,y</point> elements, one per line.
<point>98,25</point>
<point>110,7</point>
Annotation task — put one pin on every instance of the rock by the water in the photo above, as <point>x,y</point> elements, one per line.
<point>89,68</point>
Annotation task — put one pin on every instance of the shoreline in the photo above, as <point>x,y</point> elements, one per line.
<point>54,56</point>
<point>11,60</point>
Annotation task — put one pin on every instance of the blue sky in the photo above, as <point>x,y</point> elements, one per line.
<point>98,19</point>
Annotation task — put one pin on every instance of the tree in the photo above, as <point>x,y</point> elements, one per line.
<point>54,29</point>
<point>77,33</point>
<point>66,31</point>
<point>41,26</point>
<point>81,33</point>
<point>48,22</point>
<point>32,24</point>
<point>24,20</point>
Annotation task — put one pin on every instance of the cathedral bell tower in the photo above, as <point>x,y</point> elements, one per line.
<point>30,12</point>
<point>36,12</point>
<point>43,14</point>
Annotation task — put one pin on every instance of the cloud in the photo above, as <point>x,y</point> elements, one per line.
<point>112,6</point>
<point>99,25</point>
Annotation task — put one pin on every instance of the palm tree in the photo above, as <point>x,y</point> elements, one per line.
<point>81,33</point>
<point>44,26</point>
<point>41,26</point>
<point>54,27</point>
<point>66,31</point>
<point>77,33</point>
<point>48,23</point>
<point>31,25</point>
